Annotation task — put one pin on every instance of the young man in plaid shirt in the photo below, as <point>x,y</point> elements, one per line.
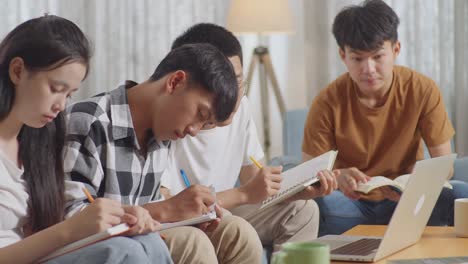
<point>117,146</point>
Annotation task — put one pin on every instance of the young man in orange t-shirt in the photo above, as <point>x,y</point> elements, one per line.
<point>376,115</point>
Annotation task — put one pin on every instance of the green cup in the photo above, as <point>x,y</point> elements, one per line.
<point>302,252</point>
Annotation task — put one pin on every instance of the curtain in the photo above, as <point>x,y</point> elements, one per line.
<point>129,37</point>
<point>460,83</point>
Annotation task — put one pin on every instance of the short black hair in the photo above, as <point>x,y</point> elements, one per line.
<point>213,34</point>
<point>208,67</point>
<point>367,26</point>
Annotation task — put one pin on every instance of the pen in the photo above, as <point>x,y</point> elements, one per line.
<point>185,178</point>
<point>256,162</point>
<point>90,198</point>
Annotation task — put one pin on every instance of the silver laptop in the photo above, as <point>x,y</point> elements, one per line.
<point>408,220</point>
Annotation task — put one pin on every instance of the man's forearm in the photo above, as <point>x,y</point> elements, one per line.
<point>160,211</point>
<point>232,198</point>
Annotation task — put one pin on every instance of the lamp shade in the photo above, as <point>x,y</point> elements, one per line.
<point>260,16</point>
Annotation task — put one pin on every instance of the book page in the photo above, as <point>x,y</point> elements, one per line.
<point>297,178</point>
<point>306,171</point>
<point>403,180</point>
<point>376,182</point>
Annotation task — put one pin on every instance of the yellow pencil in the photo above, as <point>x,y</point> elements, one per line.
<point>256,162</point>
<point>90,198</point>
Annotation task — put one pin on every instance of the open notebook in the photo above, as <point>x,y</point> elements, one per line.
<point>122,228</point>
<point>301,176</point>
<point>192,221</point>
<point>211,215</point>
<point>110,232</point>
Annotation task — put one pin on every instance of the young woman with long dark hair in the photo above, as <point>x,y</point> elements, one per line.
<point>42,62</point>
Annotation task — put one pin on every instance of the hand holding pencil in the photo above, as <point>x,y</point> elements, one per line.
<point>98,216</point>
<point>264,182</point>
<point>137,217</point>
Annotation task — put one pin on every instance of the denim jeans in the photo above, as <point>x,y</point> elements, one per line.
<point>138,249</point>
<point>338,213</point>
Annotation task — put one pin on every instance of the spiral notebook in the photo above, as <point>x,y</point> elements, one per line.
<point>299,177</point>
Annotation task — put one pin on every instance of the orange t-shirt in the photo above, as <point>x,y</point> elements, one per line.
<point>385,140</point>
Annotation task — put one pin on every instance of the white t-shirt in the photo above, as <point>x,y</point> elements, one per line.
<point>216,156</point>
<point>13,202</point>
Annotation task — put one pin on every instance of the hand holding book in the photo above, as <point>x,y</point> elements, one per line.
<point>327,184</point>
<point>348,182</point>
<point>297,179</point>
<point>265,183</point>
<point>397,185</point>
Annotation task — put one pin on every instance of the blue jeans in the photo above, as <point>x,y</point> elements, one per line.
<point>138,249</point>
<point>338,213</point>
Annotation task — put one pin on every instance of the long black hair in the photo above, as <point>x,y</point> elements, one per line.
<point>44,43</point>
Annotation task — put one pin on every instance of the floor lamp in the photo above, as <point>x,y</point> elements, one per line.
<point>262,17</point>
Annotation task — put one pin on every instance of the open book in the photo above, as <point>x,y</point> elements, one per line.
<point>296,180</point>
<point>110,232</point>
<point>380,181</point>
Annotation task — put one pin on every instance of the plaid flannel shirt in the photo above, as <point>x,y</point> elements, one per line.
<point>103,154</point>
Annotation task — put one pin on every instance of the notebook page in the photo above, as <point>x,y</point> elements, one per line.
<point>305,171</point>
<point>211,215</point>
<point>303,174</point>
<point>192,221</point>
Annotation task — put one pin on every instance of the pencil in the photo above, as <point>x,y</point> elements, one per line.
<point>256,162</point>
<point>90,198</point>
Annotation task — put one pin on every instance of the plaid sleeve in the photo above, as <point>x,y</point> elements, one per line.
<point>81,161</point>
<point>82,169</point>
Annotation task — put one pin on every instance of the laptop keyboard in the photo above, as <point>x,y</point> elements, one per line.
<point>361,247</point>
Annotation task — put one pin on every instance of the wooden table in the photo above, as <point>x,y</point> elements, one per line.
<point>436,241</point>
